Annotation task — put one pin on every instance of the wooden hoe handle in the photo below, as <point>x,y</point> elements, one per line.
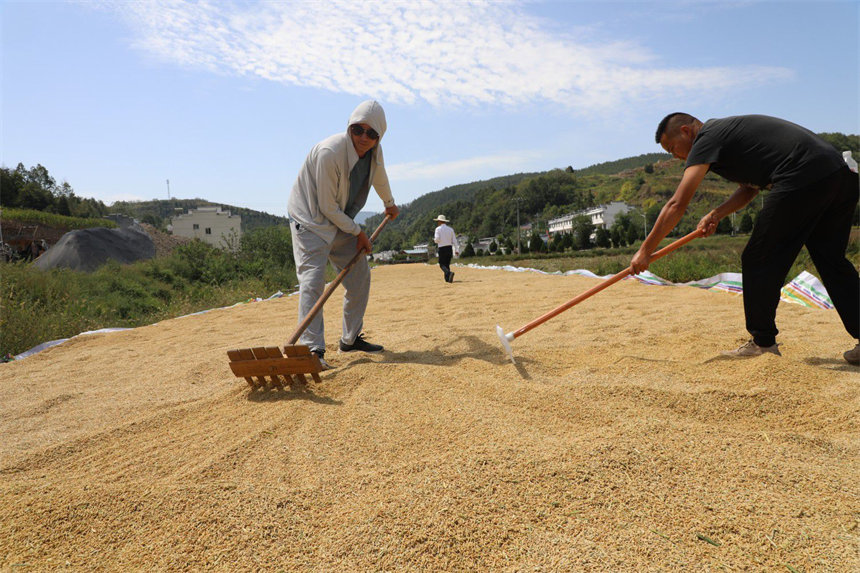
<point>607,283</point>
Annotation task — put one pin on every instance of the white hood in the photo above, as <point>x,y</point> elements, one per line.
<point>371,113</point>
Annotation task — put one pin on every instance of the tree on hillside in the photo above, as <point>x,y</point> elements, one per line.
<point>628,232</point>
<point>628,190</point>
<point>61,206</point>
<point>633,233</point>
<point>553,188</point>
<point>746,224</point>
<point>617,166</point>
<point>536,244</point>
<point>582,230</point>
<point>651,214</point>
<point>38,175</point>
<point>567,241</point>
<point>843,142</point>
<point>618,236</point>
<point>36,189</point>
<point>268,246</point>
<point>602,238</point>
<point>31,196</point>
<point>389,240</point>
<point>153,220</point>
<point>11,183</point>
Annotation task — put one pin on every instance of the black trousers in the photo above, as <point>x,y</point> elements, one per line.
<point>818,216</point>
<point>445,254</point>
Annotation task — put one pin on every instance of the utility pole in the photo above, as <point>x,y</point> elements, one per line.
<point>644,223</point>
<point>168,188</point>
<point>518,200</point>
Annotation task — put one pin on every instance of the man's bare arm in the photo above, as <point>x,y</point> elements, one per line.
<point>670,215</point>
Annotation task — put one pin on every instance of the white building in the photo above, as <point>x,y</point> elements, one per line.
<point>601,216</point>
<point>484,245</point>
<point>209,224</point>
<point>422,248</point>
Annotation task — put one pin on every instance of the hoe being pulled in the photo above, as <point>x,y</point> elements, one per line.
<point>255,364</point>
<point>506,339</point>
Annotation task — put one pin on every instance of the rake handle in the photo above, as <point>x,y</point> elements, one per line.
<point>333,285</point>
<point>607,283</point>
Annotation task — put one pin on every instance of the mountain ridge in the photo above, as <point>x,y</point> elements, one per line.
<point>495,206</point>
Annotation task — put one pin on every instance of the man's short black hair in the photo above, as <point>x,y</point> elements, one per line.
<point>671,123</point>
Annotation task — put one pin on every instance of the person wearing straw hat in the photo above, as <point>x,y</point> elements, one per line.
<point>330,190</point>
<point>812,199</point>
<point>446,243</point>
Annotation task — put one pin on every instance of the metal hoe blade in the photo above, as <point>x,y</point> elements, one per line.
<point>506,339</point>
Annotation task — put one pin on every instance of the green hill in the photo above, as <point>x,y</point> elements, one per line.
<point>491,208</point>
<point>158,212</point>
<point>619,165</point>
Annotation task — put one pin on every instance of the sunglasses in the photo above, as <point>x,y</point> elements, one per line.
<point>358,131</point>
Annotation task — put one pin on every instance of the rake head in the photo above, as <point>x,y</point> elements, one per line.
<point>506,340</point>
<point>255,364</point>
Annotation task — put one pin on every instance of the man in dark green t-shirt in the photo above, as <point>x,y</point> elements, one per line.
<point>812,199</point>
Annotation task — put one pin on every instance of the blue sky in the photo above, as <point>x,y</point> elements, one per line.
<point>225,99</point>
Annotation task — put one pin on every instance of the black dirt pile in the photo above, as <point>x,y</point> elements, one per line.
<point>88,249</point>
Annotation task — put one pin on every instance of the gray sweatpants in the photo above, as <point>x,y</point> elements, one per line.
<point>311,253</point>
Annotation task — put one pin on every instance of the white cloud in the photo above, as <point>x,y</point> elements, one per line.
<point>502,162</point>
<point>442,52</point>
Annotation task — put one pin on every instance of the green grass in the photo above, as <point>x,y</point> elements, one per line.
<point>37,306</point>
<point>54,220</point>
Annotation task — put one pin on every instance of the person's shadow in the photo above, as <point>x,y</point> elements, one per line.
<point>826,363</point>
<point>477,349</point>
<point>831,364</point>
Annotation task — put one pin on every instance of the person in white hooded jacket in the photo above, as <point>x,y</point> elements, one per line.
<point>330,190</point>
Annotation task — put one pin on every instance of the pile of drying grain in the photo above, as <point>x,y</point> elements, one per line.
<point>621,442</point>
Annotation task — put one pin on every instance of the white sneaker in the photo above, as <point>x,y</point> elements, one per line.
<point>853,356</point>
<point>750,348</point>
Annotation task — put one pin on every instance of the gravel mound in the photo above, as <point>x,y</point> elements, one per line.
<point>88,249</point>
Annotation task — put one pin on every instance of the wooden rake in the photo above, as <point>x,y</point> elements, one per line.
<point>297,360</point>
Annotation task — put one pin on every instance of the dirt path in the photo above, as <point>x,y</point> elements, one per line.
<point>621,442</point>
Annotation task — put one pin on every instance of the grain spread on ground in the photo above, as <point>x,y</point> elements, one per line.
<point>622,441</point>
